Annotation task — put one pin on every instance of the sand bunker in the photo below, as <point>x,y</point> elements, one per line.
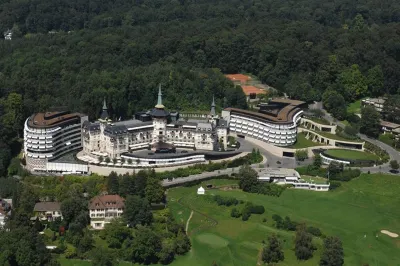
<point>386,232</point>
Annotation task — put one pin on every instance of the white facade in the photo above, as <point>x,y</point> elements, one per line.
<point>378,103</point>
<point>283,176</point>
<point>48,136</point>
<point>275,133</point>
<point>115,140</point>
<point>200,191</point>
<point>2,219</point>
<point>103,209</point>
<point>8,35</point>
<point>327,160</point>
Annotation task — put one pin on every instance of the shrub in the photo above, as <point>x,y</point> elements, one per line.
<point>301,155</point>
<point>314,231</point>
<point>269,189</point>
<point>278,221</point>
<point>334,185</point>
<point>257,209</point>
<point>235,213</point>
<point>245,216</point>
<point>226,201</point>
<point>289,224</point>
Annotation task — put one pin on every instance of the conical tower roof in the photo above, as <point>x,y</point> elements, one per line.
<point>159,111</point>
<point>104,112</point>
<point>159,104</point>
<point>212,112</point>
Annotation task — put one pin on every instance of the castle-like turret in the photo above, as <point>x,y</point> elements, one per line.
<point>104,112</point>
<point>160,119</point>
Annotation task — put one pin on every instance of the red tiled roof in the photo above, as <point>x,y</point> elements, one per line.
<point>107,201</point>
<point>252,90</point>
<point>238,77</point>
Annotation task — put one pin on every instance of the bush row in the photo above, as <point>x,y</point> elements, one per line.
<point>226,201</point>
<point>340,175</point>
<point>248,209</point>
<point>383,155</point>
<point>289,225</point>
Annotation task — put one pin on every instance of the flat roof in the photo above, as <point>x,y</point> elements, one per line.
<point>52,119</point>
<point>238,77</point>
<point>271,172</point>
<point>375,100</point>
<point>284,115</point>
<point>389,124</point>
<point>252,90</point>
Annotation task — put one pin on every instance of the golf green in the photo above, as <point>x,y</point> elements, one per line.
<point>212,240</point>
<point>356,213</point>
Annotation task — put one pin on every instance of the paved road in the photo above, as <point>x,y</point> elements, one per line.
<point>245,146</point>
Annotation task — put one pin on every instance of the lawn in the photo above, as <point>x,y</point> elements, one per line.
<point>356,212</point>
<point>355,107</point>
<point>302,142</point>
<point>388,139</point>
<point>321,121</point>
<point>351,154</point>
<point>337,137</point>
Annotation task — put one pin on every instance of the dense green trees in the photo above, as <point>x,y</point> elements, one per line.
<point>333,252</point>
<point>391,108</point>
<point>370,121</point>
<point>248,178</point>
<point>137,211</point>
<point>23,246</point>
<point>394,165</point>
<point>273,252</point>
<point>303,243</point>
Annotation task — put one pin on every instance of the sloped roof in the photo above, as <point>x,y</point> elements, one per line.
<point>47,206</point>
<point>107,201</point>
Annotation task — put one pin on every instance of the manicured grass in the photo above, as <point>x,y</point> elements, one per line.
<point>386,138</point>
<point>355,107</point>
<point>351,154</point>
<point>302,142</point>
<point>355,212</point>
<point>321,121</point>
<point>337,137</point>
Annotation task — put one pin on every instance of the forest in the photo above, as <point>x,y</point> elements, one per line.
<point>72,54</point>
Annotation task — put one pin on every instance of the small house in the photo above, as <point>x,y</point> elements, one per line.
<point>200,191</point>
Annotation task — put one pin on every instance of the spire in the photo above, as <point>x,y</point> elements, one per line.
<point>104,113</point>
<point>104,104</point>
<point>212,112</point>
<point>159,101</point>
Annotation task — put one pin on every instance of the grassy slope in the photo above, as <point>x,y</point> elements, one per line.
<point>355,107</point>
<point>361,207</point>
<point>337,137</point>
<point>350,154</point>
<point>302,142</point>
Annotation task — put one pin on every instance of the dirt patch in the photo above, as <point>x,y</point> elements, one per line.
<point>391,234</point>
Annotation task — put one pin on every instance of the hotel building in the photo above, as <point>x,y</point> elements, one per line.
<point>50,135</point>
<point>162,133</point>
<point>275,123</point>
